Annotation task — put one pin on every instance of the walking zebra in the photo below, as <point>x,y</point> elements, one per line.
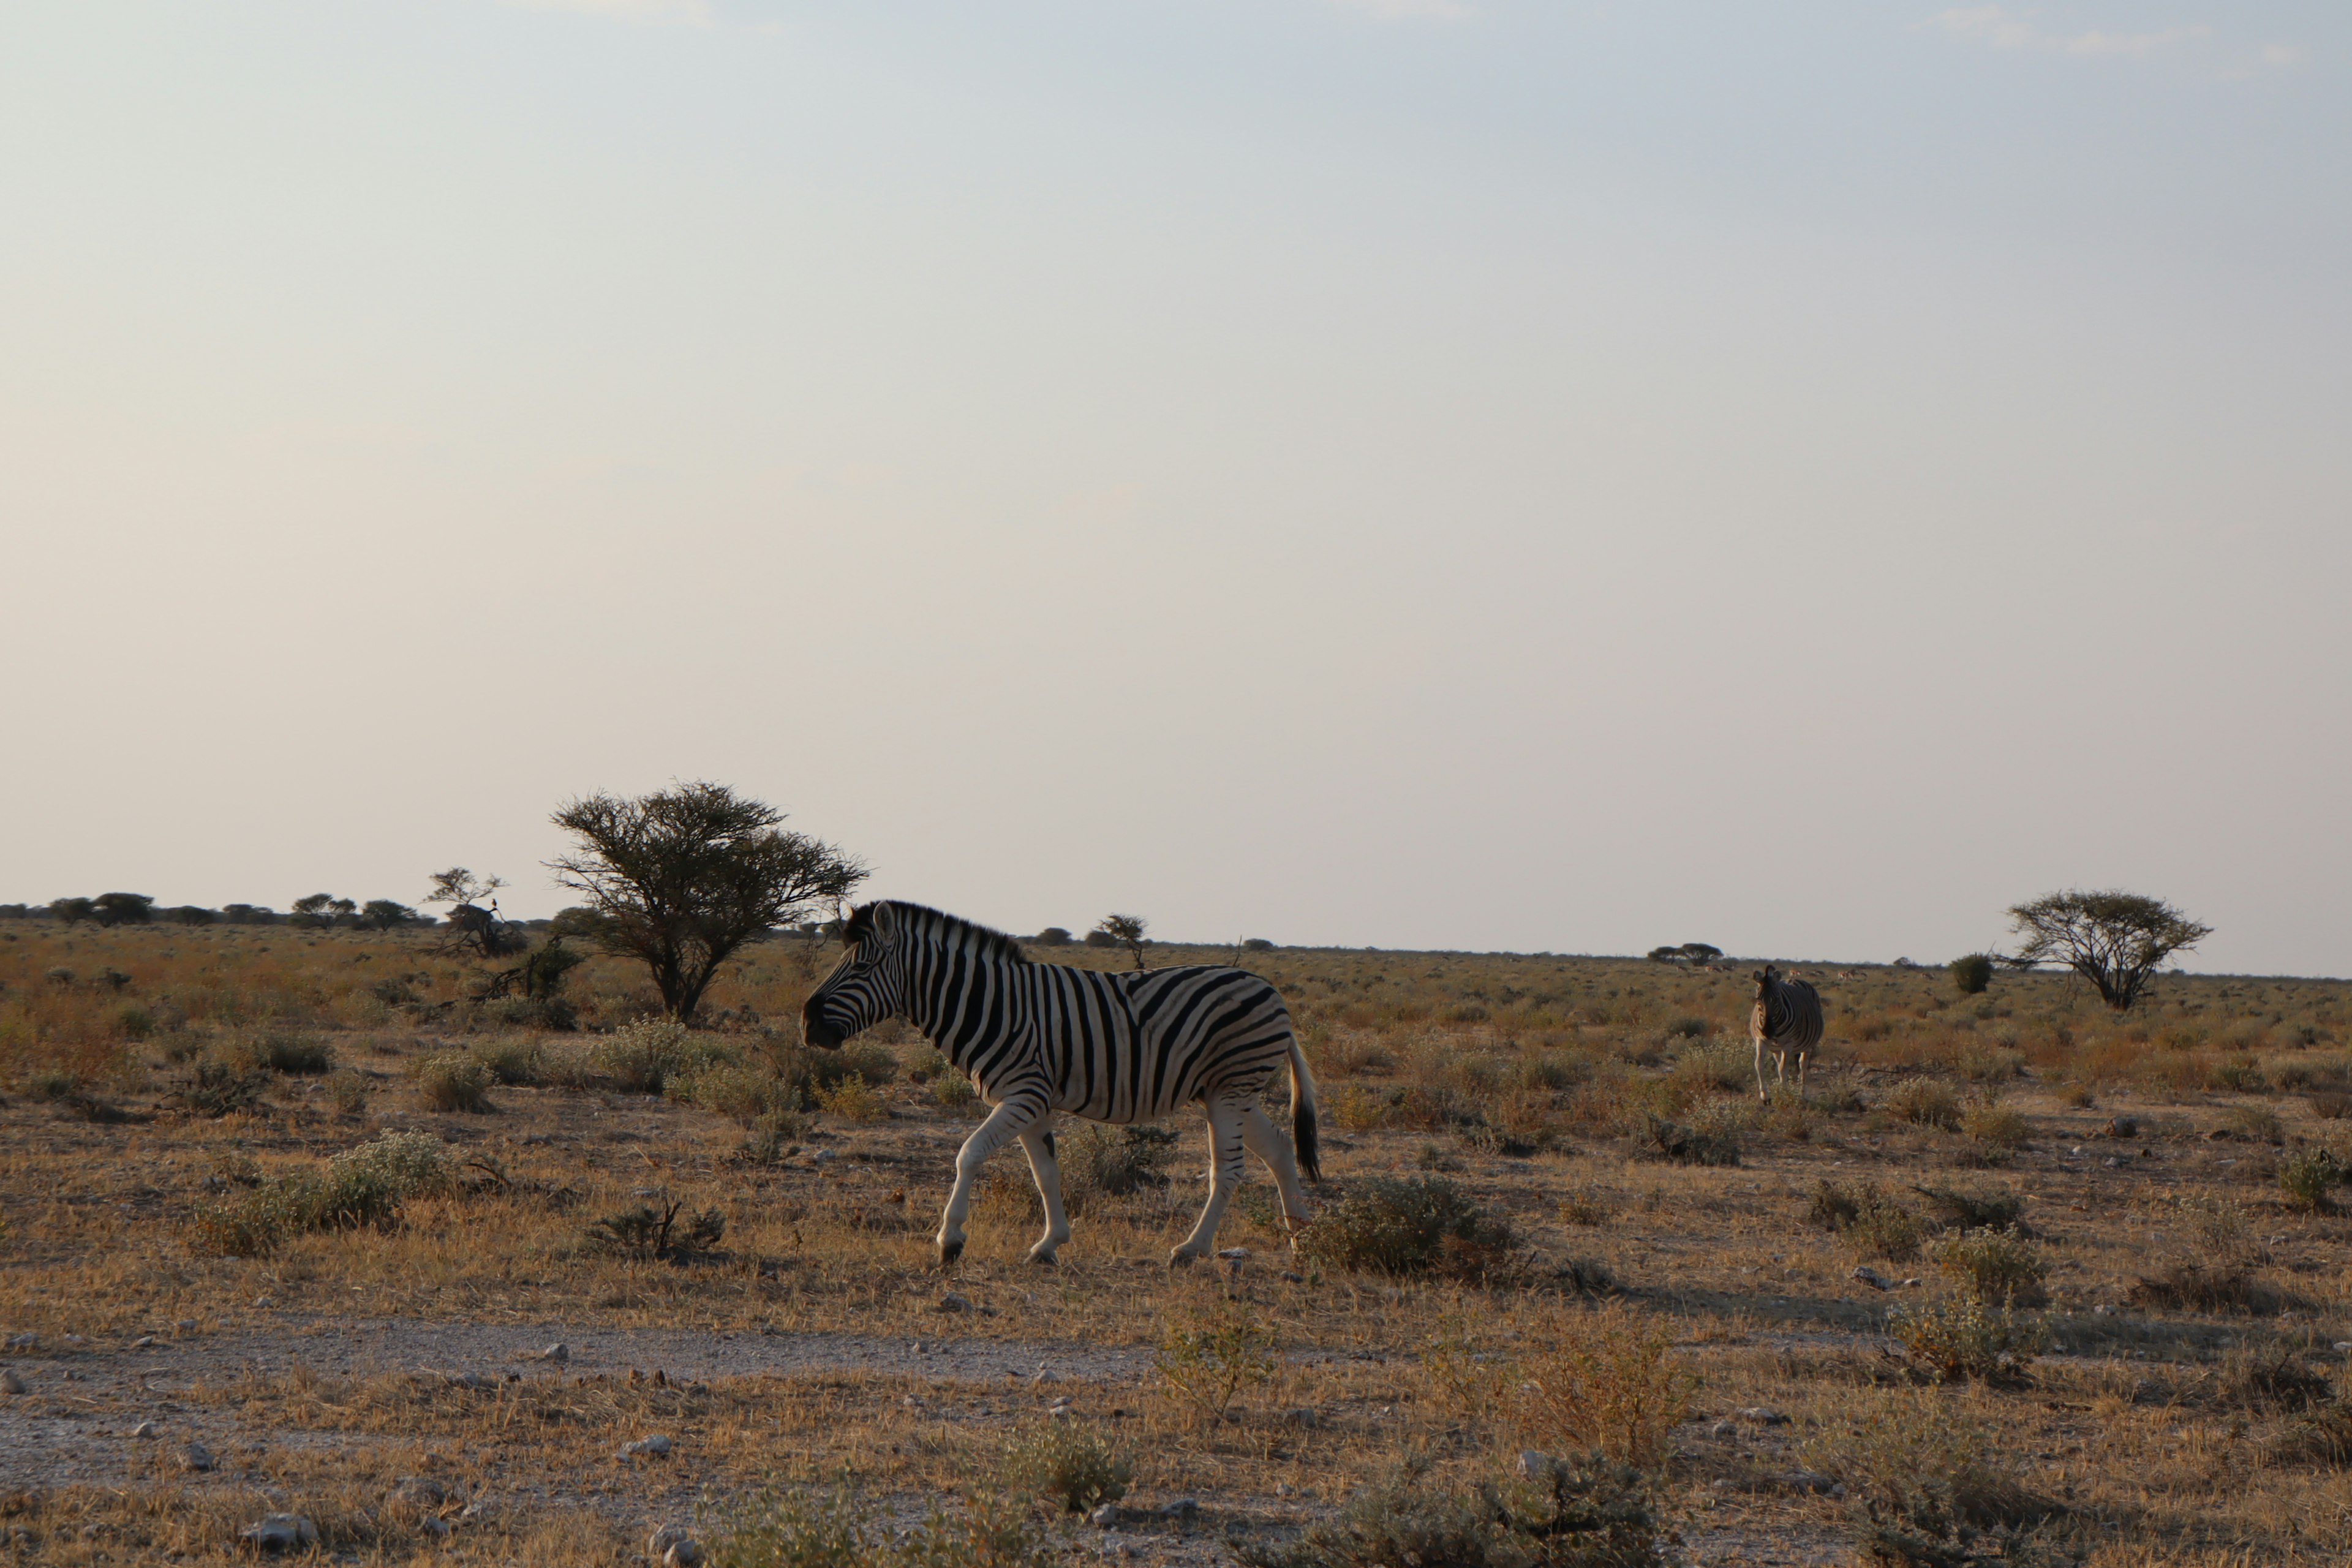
<point>1787,1015</point>
<point>1038,1038</point>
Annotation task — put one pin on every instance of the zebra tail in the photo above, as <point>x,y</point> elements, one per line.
<point>1302,1113</point>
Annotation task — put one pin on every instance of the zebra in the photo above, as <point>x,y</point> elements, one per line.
<point>1787,1014</point>
<point>1041,1038</point>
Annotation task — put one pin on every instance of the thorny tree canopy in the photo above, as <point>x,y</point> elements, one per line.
<point>2113,940</point>
<point>682,877</point>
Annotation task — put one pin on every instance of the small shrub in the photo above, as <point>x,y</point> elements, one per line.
<point>2256,1123</point>
<point>1926,1485</point>
<point>133,1022</point>
<point>876,1064</point>
<point>2306,1178</point>
<point>641,1057</point>
<point>2330,1104</point>
<point>365,1188</point>
<point>1974,1211</point>
<point>1926,1102</point>
<point>1725,1065</point>
<point>2268,1380</point>
<point>1693,1145</point>
<point>1112,1161</point>
<point>2240,1075</point>
<point>510,1061</point>
<point>1207,1360</point>
<point>1962,1336</point>
<point>454,1080</point>
<point>652,1234</point>
<point>1584,1207</point>
<point>1587,1514</point>
<point>1870,1223</point>
<point>1073,1464</point>
<point>1999,1265</point>
<point>1972,973</point>
<point>219,1089</point>
<point>953,1090</point>
<point>1687,1030</point>
<point>774,1529</point>
<point>349,1090</point>
<point>286,1053</point>
<point>1422,1225</point>
<point>1996,1128</point>
<point>1606,1378</point>
<point>852,1099</point>
<point>52,1083</point>
<point>774,1139</point>
<point>2200,1287</point>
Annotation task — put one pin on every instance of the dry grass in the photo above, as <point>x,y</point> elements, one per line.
<point>1534,1079</point>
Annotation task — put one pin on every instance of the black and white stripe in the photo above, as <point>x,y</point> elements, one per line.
<point>1788,1017</point>
<point>1042,1039</point>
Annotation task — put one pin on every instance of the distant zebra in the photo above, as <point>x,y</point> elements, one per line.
<point>1787,1015</point>
<point>1038,1038</point>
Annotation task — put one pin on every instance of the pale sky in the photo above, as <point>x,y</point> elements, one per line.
<point>1430,473</point>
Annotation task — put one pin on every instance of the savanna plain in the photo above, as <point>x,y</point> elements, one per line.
<point>297,1226</point>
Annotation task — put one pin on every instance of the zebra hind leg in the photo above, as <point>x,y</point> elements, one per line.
<point>1038,1142</point>
<point>1225,1122</point>
<point>1265,1141</point>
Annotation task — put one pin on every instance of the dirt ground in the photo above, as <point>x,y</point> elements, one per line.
<point>818,1339</point>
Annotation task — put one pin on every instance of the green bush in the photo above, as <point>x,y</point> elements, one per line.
<point>1426,1225</point>
<point>1073,1464</point>
<point>743,1094</point>
<point>133,1022</point>
<point>366,1187</point>
<point>953,1090</point>
<point>774,1139</point>
<point>1588,1513</point>
<point>349,1090</point>
<point>1869,1222</point>
<point>454,1080</point>
<point>1972,973</point>
<point>655,1234</point>
<point>641,1058</point>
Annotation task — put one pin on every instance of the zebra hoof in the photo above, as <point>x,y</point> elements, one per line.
<point>1182,1258</point>
<point>950,1251</point>
<point>1042,1258</point>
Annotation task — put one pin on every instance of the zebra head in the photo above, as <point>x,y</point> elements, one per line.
<point>1766,978</point>
<point>865,987</point>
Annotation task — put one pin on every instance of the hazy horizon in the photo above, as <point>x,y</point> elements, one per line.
<point>1432,474</point>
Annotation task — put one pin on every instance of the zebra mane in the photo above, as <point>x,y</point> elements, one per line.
<point>942,926</point>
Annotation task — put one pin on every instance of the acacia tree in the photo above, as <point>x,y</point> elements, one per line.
<point>2113,939</point>
<point>1128,931</point>
<point>682,877</point>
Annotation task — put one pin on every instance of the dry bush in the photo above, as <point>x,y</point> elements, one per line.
<point>2221,1286</point>
<point>1075,1464</point>
<point>1998,1266</point>
<point>1207,1359</point>
<point>740,1093</point>
<point>852,1099</point>
<point>1585,1206</point>
<point>454,1080</point>
<point>666,1234</point>
<point>279,1051</point>
<point>1870,1223</point>
<point>1585,1513</point>
<point>218,1089</point>
<point>1926,1102</point>
<point>1605,1378</point>
<point>1997,1128</point>
<point>2267,1379</point>
<point>1962,1336</point>
<point>2256,1123</point>
<point>1423,1226</point>
<point>1713,1137</point>
<point>366,1187</point>
<point>349,1091</point>
<point>643,1056</point>
<point>2308,1178</point>
<point>1925,1484</point>
<point>1101,1161</point>
<point>791,1528</point>
<point>1974,1211</point>
<point>510,1061</point>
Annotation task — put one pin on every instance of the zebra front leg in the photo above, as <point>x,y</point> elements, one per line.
<point>1225,1123</point>
<point>1005,1123</point>
<point>1761,1096</point>
<point>1038,1142</point>
<point>1265,1141</point>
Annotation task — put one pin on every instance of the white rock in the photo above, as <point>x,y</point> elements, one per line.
<point>952,1303</point>
<point>558,1353</point>
<point>146,1429</point>
<point>281,1533</point>
<point>685,1554</point>
<point>143,1342</point>
<point>1235,1254</point>
<point>10,1382</point>
<point>73,1339</point>
<point>184,1326</point>
<point>195,1457</point>
<point>657,1447</point>
<point>434,1525</point>
<point>24,1342</point>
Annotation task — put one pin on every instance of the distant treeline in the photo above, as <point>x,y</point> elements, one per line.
<point>319,911</point>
